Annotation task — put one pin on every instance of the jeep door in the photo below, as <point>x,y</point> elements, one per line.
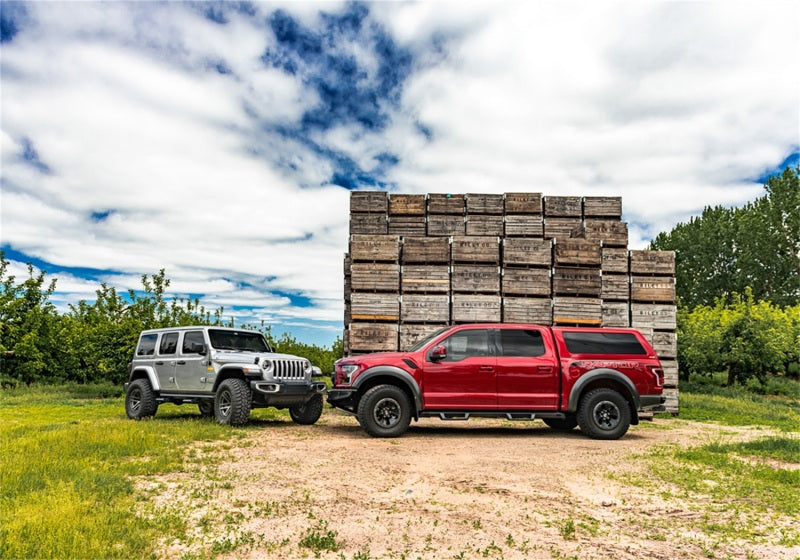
<point>165,360</point>
<point>527,369</point>
<point>465,377</point>
<point>190,369</point>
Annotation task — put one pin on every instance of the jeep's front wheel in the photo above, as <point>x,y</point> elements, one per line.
<point>307,413</point>
<point>604,414</point>
<point>140,400</point>
<point>232,403</point>
<point>384,411</point>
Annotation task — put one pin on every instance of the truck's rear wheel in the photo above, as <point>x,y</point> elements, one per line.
<point>384,411</point>
<point>140,400</point>
<point>307,413</point>
<point>562,424</point>
<point>232,403</point>
<point>604,414</point>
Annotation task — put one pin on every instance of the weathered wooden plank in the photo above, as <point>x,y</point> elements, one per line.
<point>615,260</point>
<point>528,310</point>
<point>374,307</point>
<point>670,368</point>
<point>615,287</point>
<point>373,337</point>
<point>602,206</point>
<point>579,252</point>
<point>653,289</point>
<point>410,334</point>
<point>527,252</point>
<point>407,205</point>
<point>524,225</point>
<point>665,344</point>
<point>611,233</point>
<point>425,309</point>
<point>576,281</point>
<point>526,281</point>
<point>422,278</point>
<point>426,250</point>
<point>484,203</point>
<point>653,262</point>
<point>563,206</point>
<point>561,228</point>
<point>446,204</point>
<point>407,225</point>
<point>672,401</point>
<point>372,248</point>
<point>445,225</point>
<point>370,224</point>
<point>616,314</point>
<point>369,201</point>
<point>476,249</point>
<point>476,308</point>
<point>655,316</point>
<point>475,278</point>
<point>577,310</point>
<point>375,277</point>
<point>484,224</point>
<point>523,203</point>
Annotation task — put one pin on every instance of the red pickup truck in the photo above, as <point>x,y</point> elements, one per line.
<point>567,376</point>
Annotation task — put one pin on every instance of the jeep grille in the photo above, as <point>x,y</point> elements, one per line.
<point>289,369</point>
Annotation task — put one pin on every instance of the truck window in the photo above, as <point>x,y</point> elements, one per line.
<point>466,344</point>
<point>603,343</point>
<point>147,345</point>
<point>518,342</point>
<point>169,343</point>
<point>193,342</point>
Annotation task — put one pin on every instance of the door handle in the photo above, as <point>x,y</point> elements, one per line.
<point>159,363</point>
<point>485,368</point>
<point>545,369</point>
<point>181,363</point>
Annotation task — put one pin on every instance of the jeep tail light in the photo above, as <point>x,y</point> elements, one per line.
<point>658,373</point>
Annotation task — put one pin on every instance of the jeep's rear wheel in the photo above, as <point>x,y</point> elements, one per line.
<point>307,413</point>
<point>232,403</point>
<point>604,414</point>
<point>561,424</point>
<point>206,407</point>
<point>140,400</point>
<point>384,411</point>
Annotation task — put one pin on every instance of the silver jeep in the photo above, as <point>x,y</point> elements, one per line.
<point>226,372</point>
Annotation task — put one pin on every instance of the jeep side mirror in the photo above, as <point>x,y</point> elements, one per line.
<point>438,353</point>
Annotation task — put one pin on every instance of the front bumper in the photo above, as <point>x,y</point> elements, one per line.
<point>652,403</point>
<point>343,398</point>
<point>271,393</point>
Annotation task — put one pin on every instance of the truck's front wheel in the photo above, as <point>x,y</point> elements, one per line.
<point>307,413</point>
<point>604,414</point>
<point>232,403</point>
<point>384,411</point>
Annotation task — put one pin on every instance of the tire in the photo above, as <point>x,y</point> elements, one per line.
<point>384,411</point>
<point>604,414</point>
<point>140,400</point>
<point>206,407</point>
<point>308,413</point>
<point>232,403</point>
<point>562,424</point>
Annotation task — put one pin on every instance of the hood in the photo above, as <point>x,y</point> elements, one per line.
<point>381,357</point>
<point>250,357</point>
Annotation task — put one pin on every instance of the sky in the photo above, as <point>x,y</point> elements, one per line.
<point>220,140</point>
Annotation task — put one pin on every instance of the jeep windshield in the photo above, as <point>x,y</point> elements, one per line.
<point>241,341</point>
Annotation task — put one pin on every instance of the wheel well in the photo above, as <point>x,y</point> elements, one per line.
<point>229,374</point>
<point>605,383</point>
<point>138,374</point>
<point>389,380</point>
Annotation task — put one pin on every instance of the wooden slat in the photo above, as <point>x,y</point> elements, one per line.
<point>475,278</point>
<point>653,262</point>
<point>485,225</point>
<point>528,310</point>
<point>523,203</point>
<point>616,314</point>
<point>526,281</point>
<point>611,233</point>
<point>670,367</point>
<point>445,225</point>
<point>524,225</point>
<point>375,277</point>
<point>370,224</point>
<point>655,316</point>
<point>578,310</point>
<point>371,248</point>
<point>615,260</point>
<point>425,309</point>
<point>602,206</point>
<point>374,307</point>
<point>563,206</point>
<point>426,250</point>
<point>659,289</point>
<point>560,228</point>
<point>410,334</point>
<point>527,252</point>
<point>476,308</point>
<point>446,204</point>
<point>615,287</point>
<point>665,344</point>
<point>369,201</point>
<point>576,281</point>
<point>407,205</point>
<point>421,278</point>
<point>407,225</point>
<point>578,252</point>
<point>373,337</point>
<point>476,249</point>
<point>672,404</point>
<point>485,203</point>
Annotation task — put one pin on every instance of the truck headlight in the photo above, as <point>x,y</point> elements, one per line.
<point>347,373</point>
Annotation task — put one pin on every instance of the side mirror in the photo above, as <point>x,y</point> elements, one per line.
<point>438,353</point>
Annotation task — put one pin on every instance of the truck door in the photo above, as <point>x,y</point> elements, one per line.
<point>465,377</point>
<point>165,360</point>
<point>190,369</point>
<point>527,370</point>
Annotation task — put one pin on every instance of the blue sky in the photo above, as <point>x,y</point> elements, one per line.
<point>220,140</point>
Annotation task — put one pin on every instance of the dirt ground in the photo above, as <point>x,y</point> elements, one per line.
<point>476,489</point>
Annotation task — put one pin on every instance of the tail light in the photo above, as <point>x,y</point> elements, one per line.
<point>658,373</point>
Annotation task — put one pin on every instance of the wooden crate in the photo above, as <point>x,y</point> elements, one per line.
<point>616,314</point>
<point>426,250</point>
<point>653,262</point>
<point>369,201</point>
<point>526,281</point>
<point>475,279</point>
<point>446,204</point>
<point>615,287</point>
<point>523,203</point>
<point>476,309</point>
<point>602,207</point>
<point>411,334</point>
<point>368,224</point>
<point>614,260</point>
<point>485,204</point>
<point>346,340</point>
<point>524,225</point>
<point>653,289</point>
<point>407,204</point>
<point>576,281</point>
<point>374,307</point>
<point>670,368</point>
<point>577,252</point>
<point>577,311</point>
<point>375,248</point>
<point>563,206</point>
<point>527,252</point>
<point>408,225</point>
<point>484,224</point>
<point>423,278</point>
<point>445,225</point>
<point>665,344</point>
<point>611,233</point>
<point>375,277</point>
<point>561,228</point>
<point>528,310</point>
<point>373,337</point>
<point>672,405</point>
<point>655,316</point>
<point>475,249</point>
<point>425,309</point>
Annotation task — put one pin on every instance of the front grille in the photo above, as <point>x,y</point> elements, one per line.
<point>289,370</point>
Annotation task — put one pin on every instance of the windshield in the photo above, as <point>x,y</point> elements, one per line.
<point>242,341</point>
<point>426,340</point>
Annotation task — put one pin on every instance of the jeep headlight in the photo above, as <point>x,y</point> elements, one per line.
<point>306,366</point>
<point>267,366</point>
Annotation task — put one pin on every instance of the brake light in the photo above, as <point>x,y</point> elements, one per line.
<point>658,373</point>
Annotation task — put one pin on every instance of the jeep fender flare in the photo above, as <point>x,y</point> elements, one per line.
<point>140,372</point>
<point>599,375</point>
<point>397,374</point>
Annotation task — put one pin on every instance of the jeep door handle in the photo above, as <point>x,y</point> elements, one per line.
<point>159,363</point>
<point>181,363</point>
<point>485,368</point>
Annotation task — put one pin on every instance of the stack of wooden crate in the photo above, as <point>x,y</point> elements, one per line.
<point>418,263</point>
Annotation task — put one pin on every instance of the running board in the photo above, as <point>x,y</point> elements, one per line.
<point>454,415</point>
<point>521,415</point>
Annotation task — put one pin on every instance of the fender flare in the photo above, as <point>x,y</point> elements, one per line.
<point>147,372</point>
<point>401,375</point>
<point>599,374</point>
